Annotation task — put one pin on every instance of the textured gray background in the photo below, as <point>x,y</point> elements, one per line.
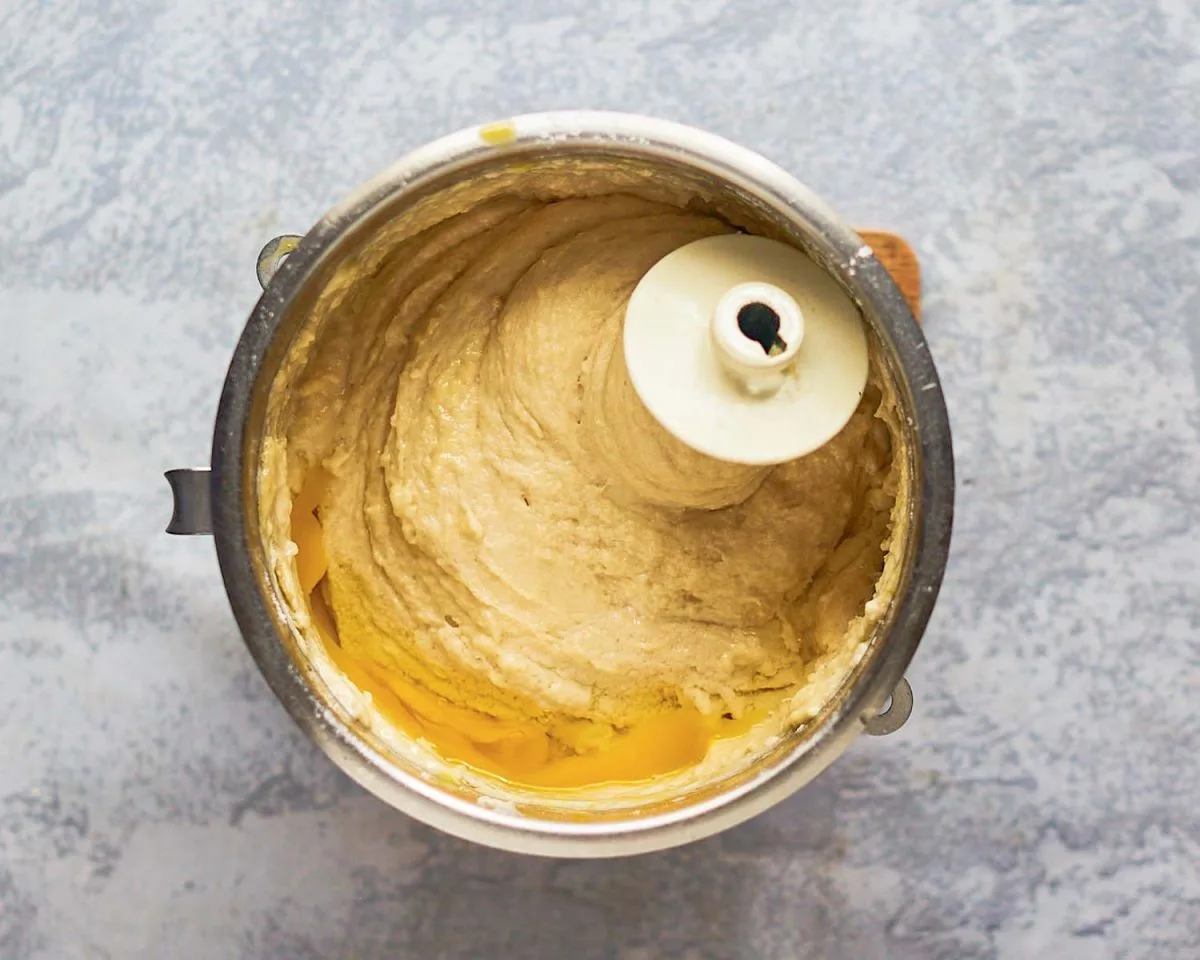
<point>1042,156</point>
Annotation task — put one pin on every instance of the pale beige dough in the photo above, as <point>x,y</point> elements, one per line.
<point>508,525</point>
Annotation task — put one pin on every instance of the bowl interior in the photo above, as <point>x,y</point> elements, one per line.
<point>336,264</point>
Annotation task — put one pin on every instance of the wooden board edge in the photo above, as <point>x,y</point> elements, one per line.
<point>900,260</point>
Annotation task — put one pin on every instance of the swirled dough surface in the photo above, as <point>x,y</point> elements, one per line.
<point>512,543</point>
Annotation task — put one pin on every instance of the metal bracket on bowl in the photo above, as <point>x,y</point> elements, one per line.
<point>273,254</point>
<point>899,709</point>
<point>192,514</point>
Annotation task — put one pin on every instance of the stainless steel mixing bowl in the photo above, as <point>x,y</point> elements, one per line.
<point>583,148</point>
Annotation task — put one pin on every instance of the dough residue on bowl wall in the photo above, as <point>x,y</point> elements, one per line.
<point>501,563</point>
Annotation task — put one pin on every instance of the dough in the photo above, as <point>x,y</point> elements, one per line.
<point>512,556</point>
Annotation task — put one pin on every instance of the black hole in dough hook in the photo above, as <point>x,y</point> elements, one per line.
<point>760,323</point>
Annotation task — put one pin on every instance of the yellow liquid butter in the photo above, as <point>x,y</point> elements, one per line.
<point>522,752</point>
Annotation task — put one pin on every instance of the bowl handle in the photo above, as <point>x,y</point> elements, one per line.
<point>273,254</point>
<point>897,713</point>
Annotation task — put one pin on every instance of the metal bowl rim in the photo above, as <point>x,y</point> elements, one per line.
<point>882,304</point>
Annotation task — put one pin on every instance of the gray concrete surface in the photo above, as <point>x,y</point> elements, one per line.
<point>1042,156</point>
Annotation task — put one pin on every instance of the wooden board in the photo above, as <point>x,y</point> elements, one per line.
<point>901,262</point>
